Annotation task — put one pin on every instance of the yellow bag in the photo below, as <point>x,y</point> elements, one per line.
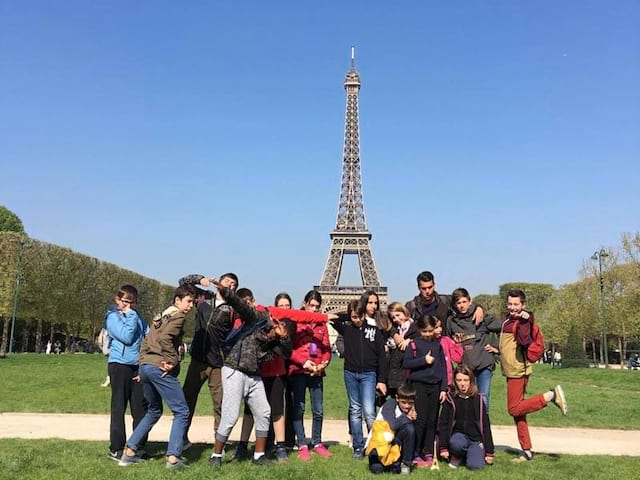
<point>380,439</point>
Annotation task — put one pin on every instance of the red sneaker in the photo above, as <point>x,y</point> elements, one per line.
<point>303,454</point>
<point>321,450</point>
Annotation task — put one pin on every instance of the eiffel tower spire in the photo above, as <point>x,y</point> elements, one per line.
<point>351,235</point>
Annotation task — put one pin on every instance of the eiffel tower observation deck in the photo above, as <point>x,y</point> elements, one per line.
<point>351,235</point>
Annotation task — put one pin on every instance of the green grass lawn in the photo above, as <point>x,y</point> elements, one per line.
<point>70,384</point>
<point>59,459</point>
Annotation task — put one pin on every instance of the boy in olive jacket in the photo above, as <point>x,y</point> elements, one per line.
<point>159,367</point>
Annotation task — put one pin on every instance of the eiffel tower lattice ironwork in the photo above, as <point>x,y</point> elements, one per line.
<point>351,235</point>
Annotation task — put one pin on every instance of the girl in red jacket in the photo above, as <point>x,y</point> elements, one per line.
<point>310,357</point>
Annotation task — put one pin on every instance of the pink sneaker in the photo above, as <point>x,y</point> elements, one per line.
<point>321,450</point>
<point>423,462</point>
<point>303,454</point>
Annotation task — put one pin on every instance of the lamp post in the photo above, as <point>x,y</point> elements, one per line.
<point>15,294</point>
<point>599,255</point>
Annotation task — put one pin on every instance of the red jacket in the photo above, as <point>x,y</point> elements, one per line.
<point>276,367</point>
<point>308,334</point>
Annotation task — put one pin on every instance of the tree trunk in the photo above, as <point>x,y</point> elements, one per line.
<point>5,336</point>
<point>25,340</point>
<point>584,345</point>
<point>39,336</point>
<point>602,351</point>
<point>593,351</point>
<point>621,351</point>
<point>51,333</point>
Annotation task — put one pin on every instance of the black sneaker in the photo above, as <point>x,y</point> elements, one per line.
<point>215,462</point>
<point>262,461</point>
<point>241,452</point>
<point>115,455</point>
<point>126,460</point>
<point>281,455</point>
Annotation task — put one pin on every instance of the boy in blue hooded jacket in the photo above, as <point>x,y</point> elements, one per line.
<point>126,329</point>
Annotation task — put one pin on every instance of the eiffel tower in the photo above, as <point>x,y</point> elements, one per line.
<point>351,235</point>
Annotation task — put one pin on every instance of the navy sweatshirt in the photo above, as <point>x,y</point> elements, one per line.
<point>434,374</point>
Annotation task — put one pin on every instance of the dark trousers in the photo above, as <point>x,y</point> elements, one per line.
<point>406,438</point>
<point>472,453</point>
<point>428,412</point>
<point>198,373</point>
<point>289,432</point>
<point>124,391</point>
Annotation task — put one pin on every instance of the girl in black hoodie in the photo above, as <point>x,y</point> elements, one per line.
<point>465,432</point>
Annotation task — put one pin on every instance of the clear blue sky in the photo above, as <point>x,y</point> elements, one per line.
<point>500,140</point>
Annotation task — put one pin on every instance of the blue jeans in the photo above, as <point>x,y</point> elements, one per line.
<point>158,388</point>
<point>472,453</point>
<point>299,384</point>
<point>361,390</point>
<point>483,380</point>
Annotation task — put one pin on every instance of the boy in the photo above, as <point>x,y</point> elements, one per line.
<point>214,320</point>
<point>126,330</point>
<point>400,414</point>
<point>159,368</point>
<point>516,335</point>
<point>240,375</point>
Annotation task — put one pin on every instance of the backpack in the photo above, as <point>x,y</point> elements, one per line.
<point>535,350</point>
<point>104,341</point>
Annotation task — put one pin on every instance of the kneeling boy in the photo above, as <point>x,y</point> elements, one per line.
<point>400,414</point>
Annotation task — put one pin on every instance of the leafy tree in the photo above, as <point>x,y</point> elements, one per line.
<point>537,294</point>
<point>9,221</point>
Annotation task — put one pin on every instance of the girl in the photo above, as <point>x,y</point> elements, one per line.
<point>364,365</point>
<point>310,357</point>
<point>401,335</point>
<point>452,352</point>
<point>159,368</point>
<point>427,373</point>
<point>465,432</point>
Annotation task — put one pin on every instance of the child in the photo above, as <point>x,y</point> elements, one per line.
<point>400,414</point>
<point>364,366</point>
<point>125,330</point>
<point>159,368</point>
<point>214,320</point>
<point>402,322</point>
<point>515,337</point>
<point>475,339</point>
<point>273,373</point>
<point>310,357</point>
<point>427,373</point>
<point>452,352</point>
<point>240,373</point>
<point>464,431</point>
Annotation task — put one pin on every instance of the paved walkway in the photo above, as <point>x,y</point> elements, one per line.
<point>575,441</point>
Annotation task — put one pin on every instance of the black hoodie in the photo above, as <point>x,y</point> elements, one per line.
<point>363,347</point>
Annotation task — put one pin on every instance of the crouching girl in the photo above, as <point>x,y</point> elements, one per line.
<point>465,432</point>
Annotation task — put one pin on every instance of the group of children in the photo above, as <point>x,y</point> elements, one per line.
<point>427,364</point>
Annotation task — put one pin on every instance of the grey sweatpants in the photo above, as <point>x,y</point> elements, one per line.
<point>238,386</point>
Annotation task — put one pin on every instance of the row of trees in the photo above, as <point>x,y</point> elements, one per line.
<point>572,317</point>
<point>60,291</point>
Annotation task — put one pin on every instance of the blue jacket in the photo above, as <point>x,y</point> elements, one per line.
<point>126,332</point>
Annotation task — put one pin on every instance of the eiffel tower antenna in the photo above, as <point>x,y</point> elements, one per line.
<point>351,235</point>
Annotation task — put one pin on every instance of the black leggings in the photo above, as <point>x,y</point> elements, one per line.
<point>428,412</point>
